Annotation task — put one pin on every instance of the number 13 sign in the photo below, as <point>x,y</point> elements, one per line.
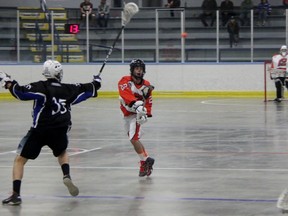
<point>72,28</point>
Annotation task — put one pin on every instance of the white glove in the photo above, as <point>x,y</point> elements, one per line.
<point>4,78</point>
<point>97,78</point>
<point>141,119</point>
<point>3,75</point>
<point>139,108</point>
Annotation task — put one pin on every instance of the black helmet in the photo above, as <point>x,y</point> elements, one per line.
<point>137,63</point>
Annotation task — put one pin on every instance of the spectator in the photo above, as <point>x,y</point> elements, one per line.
<point>233,30</point>
<point>103,14</point>
<point>246,7</point>
<point>86,7</point>
<point>209,8</point>
<point>226,9</point>
<point>263,9</point>
<point>173,4</point>
<point>285,5</point>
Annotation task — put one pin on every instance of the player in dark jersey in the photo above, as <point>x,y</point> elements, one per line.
<point>51,120</point>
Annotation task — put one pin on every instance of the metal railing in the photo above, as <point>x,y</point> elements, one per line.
<point>152,35</point>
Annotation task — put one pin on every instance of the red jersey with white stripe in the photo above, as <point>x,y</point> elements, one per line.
<point>130,92</point>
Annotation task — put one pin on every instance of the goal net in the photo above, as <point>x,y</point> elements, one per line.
<point>269,84</point>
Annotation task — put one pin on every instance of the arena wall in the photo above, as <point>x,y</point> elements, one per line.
<point>232,79</point>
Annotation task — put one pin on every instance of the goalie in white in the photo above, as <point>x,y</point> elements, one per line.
<point>278,72</point>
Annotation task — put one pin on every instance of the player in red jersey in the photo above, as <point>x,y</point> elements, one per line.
<point>136,105</point>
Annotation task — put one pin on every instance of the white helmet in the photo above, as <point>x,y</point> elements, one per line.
<point>52,70</point>
<point>283,50</point>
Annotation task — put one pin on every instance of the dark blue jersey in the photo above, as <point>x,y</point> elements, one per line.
<point>53,100</point>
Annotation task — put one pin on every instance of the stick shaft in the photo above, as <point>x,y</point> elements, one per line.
<point>110,50</point>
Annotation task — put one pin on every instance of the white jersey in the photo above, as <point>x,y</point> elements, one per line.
<point>279,66</point>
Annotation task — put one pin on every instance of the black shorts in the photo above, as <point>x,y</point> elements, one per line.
<point>31,144</point>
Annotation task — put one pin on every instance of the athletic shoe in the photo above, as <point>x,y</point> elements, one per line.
<point>14,199</point>
<point>73,190</point>
<point>277,100</point>
<point>146,167</point>
<point>142,171</point>
<point>149,165</point>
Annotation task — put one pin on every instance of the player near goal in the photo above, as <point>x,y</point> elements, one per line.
<point>278,72</point>
<point>135,96</point>
<point>51,120</point>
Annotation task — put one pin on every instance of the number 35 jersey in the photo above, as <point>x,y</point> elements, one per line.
<point>53,100</point>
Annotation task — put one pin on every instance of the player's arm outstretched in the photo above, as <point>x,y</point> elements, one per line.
<point>87,90</point>
<point>31,91</point>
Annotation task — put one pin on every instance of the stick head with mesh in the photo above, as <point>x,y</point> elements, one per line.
<point>282,202</point>
<point>130,9</point>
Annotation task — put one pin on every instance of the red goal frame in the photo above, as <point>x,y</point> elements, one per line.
<point>267,65</point>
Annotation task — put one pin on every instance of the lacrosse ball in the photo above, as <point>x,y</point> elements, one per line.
<point>184,34</point>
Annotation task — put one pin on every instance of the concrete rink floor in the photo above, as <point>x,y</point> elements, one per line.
<point>213,156</point>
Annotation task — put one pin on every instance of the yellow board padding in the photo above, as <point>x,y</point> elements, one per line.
<point>178,94</point>
<point>195,94</point>
<point>48,37</point>
<point>65,48</point>
<point>38,58</point>
<point>64,58</point>
<point>74,58</point>
<point>38,48</point>
<point>28,15</point>
<point>37,8</point>
<point>71,48</point>
<point>41,15</point>
<point>43,26</point>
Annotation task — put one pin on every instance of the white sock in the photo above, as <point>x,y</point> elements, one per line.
<point>142,157</point>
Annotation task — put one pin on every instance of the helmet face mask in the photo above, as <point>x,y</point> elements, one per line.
<point>52,70</point>
<point>283,50</point>
<point>137,63</point>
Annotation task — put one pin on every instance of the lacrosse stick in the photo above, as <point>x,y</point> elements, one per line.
<point>282,202</point>
<point>130,9</point>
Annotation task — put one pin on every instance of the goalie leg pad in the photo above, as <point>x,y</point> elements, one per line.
<point>286,83</point>
<point>279,87</point>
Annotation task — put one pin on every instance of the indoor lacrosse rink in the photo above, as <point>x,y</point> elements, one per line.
<point>214,156</point>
